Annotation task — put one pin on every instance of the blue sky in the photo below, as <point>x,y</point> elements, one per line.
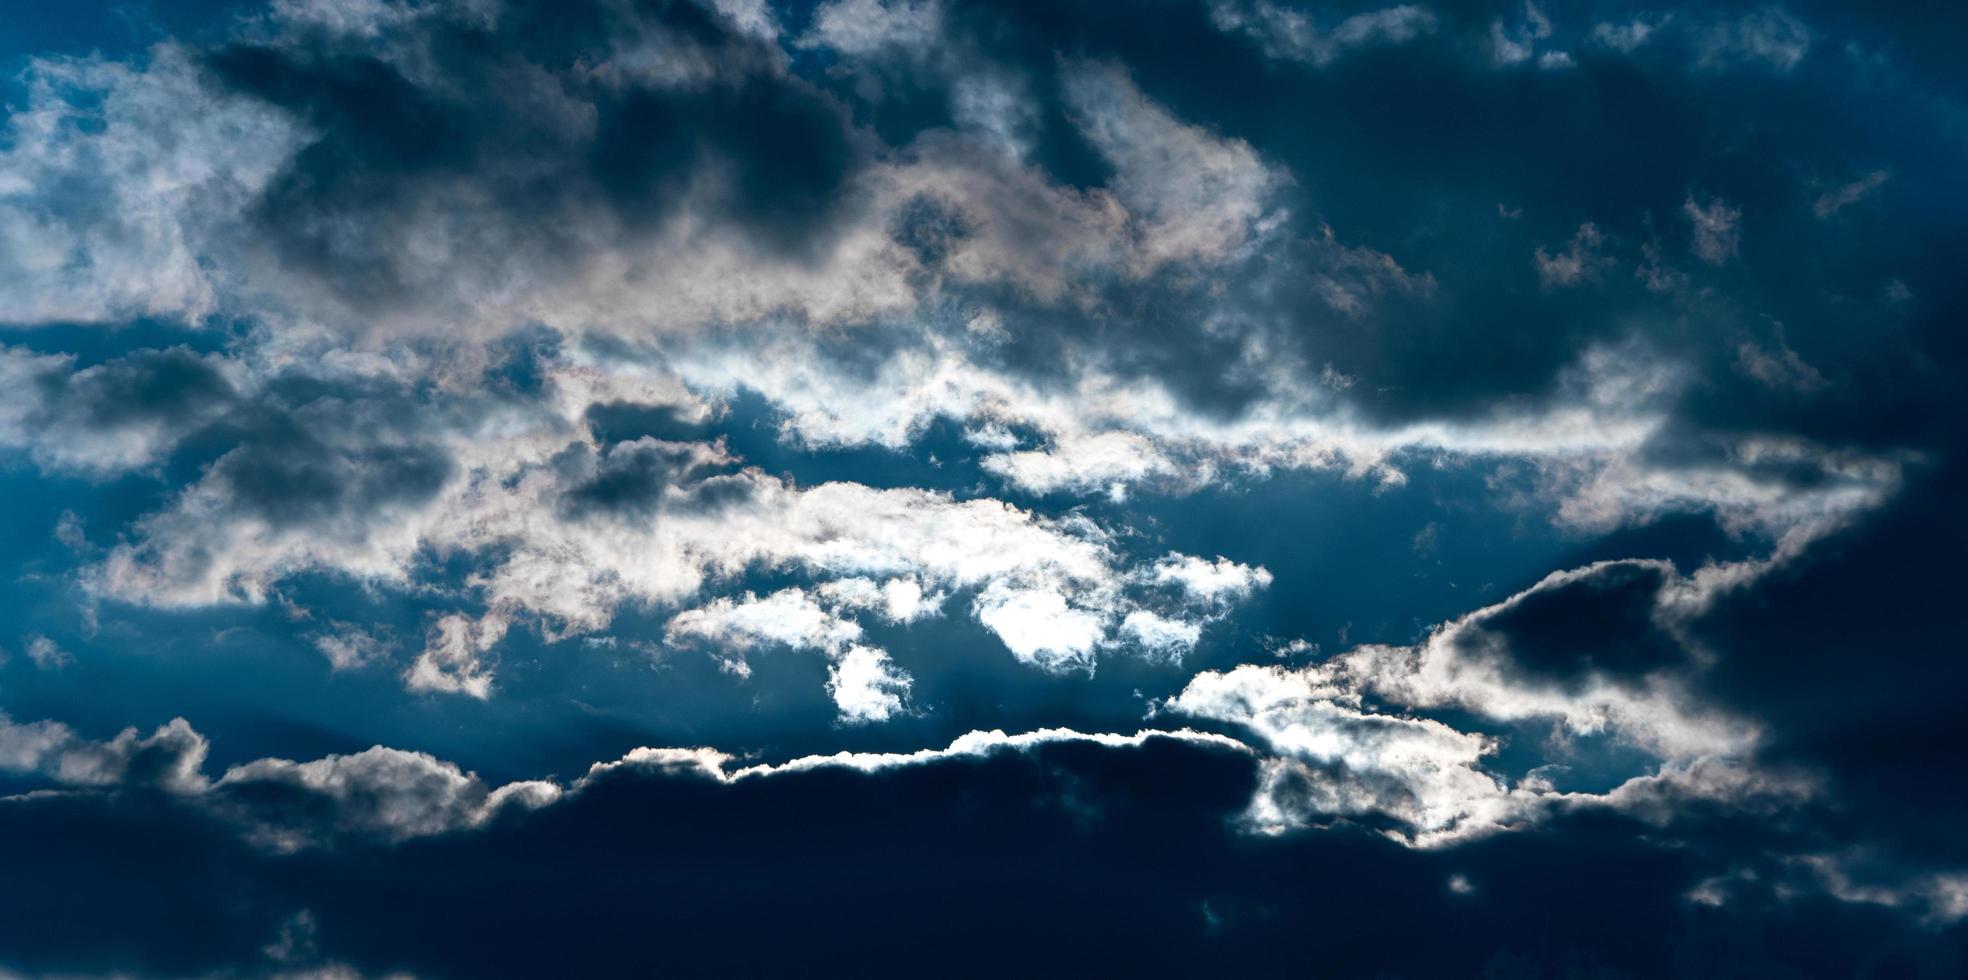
<point>1453,489</point>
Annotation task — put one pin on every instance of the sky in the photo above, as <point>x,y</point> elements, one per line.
<point>901,487</point>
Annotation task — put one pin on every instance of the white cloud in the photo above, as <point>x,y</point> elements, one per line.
<point>114,178</point>
<point>1634,34</point>
<point>1516,42</point>
<point>1287,33</point>
<point>789,617</point>
<point>866,685</point>
<point>1082,462</point>
<point>1845,195</point>
<point>898,600</point>
<point>1717,229</point>
<point>1040,627</point>
<point>169,758</point>
<point>1216,582</point>
<point>863,27</point>
<point>1768,36</point>
<point>350,647</point>
<point>380,791</point>
<point>1581,261</point>
<point>1338,760</point>
<point>452,659</point>
<point>1192,195</point>
<point>46,654</point>
<point>1160,636</point>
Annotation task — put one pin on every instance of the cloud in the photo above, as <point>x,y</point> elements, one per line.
<point>1581,261</point>
<point>112,180</point>
<point>1192,194</point>
<point>45,654</point>
<point>866,685</point>
<point>104,419</point>
<point>350,647</point>
<point>1717,229</point>
<point>1040,627</point>
<point>1287,33</point>
<point>1845,195</point>
<point>1603,651</point>
<point>1781,368</point>
<point>1630,36</point>
<point>452,661</point>
<point>1769,35</point>
<point>168,759</point>
<point>388,793</point>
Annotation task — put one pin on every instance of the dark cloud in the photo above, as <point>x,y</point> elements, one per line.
<point>556,148</point>
<point>1850,658</point>
<point>1071,858</point>
<point>633,480</point>
<point>495,223</point>
<point>1596,624</point>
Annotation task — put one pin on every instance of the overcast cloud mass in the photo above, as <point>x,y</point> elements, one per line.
<point>911,487</point>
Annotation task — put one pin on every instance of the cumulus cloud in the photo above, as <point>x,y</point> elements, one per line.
<point>866,685</point>
<point>168,759</point>
<point>1598,651</point>
<point>388,793</point>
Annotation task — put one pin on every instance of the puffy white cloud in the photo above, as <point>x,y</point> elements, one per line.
<point>898,600</point>
<point>1214,583</point>
<point>789,617</point>
<point>1039,626</point>
<point>1161,636</point>
<point>866,685</point>
<point>569,530</point>
<point>1339,760</point>
<point>1083,462</point>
